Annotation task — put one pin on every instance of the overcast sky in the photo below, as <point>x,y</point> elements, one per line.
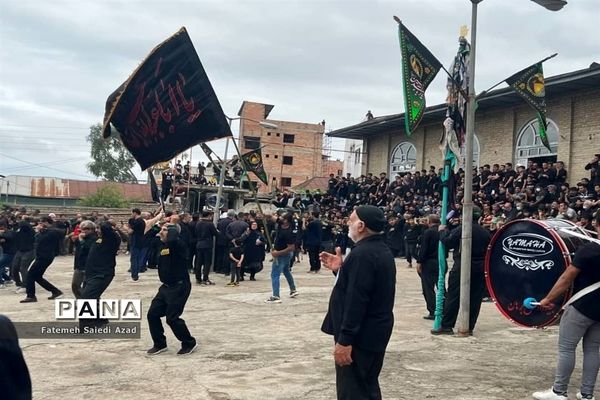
<point>313,60</point>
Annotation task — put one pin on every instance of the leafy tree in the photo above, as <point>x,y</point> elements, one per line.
<point>111,160</point>
<point>107,196</point>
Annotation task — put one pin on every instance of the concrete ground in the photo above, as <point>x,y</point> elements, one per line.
<point>252,350</point>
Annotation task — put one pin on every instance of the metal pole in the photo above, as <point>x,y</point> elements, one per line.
<point>467,215</point>
<point>221,182</point>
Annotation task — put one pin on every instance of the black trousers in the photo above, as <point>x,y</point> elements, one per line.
<point>410,250</point>
<point>36,274</point>
<point>93,288</point>
<point>221,252</point>
<point>360,380</point>
<point>429,279</point>
<point>170,302</point>
<point>313,257</point>
<point>204,262</point>
<point>452,302</point>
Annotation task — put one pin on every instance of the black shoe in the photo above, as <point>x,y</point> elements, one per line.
<point>242,279</point>
<point>55,295</point>
<point>429,317</point>
<point>442,331</point>
<point>29,300</point>
<point>143,270</point>
<point>185,350</point>
<point>252,278</point>
<point>208,282</point>
<point>156,350</point>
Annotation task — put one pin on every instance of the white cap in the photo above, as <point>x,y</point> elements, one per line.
<point>52,215</point>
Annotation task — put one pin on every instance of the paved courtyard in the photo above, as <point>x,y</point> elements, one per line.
<point>252,350</point>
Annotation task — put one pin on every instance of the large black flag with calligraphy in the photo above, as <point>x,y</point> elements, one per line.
<point>167,105</point>
<point>419,67</point>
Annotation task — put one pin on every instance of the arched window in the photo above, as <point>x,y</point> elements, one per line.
<point>529,144</point>
<point>404,159</point>
<point>476,152</point>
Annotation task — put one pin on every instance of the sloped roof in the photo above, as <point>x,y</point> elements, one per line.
<point>315,183</point>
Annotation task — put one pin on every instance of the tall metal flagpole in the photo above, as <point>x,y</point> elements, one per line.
<point>217,210</point>
<point>467,215</point>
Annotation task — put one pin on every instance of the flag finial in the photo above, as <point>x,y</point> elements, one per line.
<point>464,31</point>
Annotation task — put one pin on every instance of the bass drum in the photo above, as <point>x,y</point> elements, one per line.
<point>525,258</point>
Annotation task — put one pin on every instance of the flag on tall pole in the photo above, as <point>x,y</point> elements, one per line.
<point>529,84</point>
<point>419,68</point>
<point>451,143</point>
<point>208,151</point>
<point>254,162</point>
<point>166,106</point>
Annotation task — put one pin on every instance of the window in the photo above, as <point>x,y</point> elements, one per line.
<point>276,156</point>
<point>288,160</point>
<point>529,144</point>
<point>404,159</point>
<point>266,156</point>
<point>357,156</point>
<point>268,133</point>
<point>277,134</point>
<point>287,182</point>
<point>476,152</point>
<point>288,138</point>
<point>251,142</point>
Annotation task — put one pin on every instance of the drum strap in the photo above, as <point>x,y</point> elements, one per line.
<point>583,292</point>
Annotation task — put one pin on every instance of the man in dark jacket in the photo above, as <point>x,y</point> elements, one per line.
<point>47,242</point>
<point>428,266</point>
<point>452,240</point>
<point>312,241</point>
<point>360,315</point>
<point>222,244</point>
<point>25,241</point>
<point>100,265</point>
<point>172,294</point>
<point>205,233</point>
<point>83,244</point>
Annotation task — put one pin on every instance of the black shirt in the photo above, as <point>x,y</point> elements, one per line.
<point>284,238</point>
<point>586,260</point>
<point>205,231</point>
<point>138,225</point>
<point>101,258</point>
<point>429,245</point>
<point>362,301</point>
<point>172,266</point>
<point>47,242</point>
<point>25,237</point>
<point>82,250</point>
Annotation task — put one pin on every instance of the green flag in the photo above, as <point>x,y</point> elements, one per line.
<point>419,67</point>
<point>529,84</point>
<point>254,162</point>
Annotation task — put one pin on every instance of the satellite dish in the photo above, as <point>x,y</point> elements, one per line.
<point>211,202</point>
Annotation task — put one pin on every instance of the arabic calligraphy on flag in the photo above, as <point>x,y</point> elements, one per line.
<point>167,105</point>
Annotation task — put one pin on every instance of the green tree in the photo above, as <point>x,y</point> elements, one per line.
<point>107,196</point>
<point>110,159</point>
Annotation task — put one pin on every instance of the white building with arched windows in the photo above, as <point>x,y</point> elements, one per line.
<point>506,130</point>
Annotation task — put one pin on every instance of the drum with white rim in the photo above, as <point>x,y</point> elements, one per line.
<point>524,260</point>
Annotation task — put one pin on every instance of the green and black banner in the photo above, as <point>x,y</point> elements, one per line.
<point>529,84</point>
<point>419,68</point>
<point>254,162</point>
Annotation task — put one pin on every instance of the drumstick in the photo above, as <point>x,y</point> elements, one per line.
<point>530,303</point>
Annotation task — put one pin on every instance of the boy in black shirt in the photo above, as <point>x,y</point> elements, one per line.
<point>283,252</point>
<point>236,255</point>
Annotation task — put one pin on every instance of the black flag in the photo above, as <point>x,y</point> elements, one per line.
<point>167,105</point>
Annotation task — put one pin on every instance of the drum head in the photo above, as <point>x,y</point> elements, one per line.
<point>524,259</point>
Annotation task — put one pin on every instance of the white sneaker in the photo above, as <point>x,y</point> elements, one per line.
<point>548,395</point>
<point>2,286</point>
<point>294,293</point>
<point>580,397</point>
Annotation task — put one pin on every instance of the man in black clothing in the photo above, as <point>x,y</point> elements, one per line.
<point>172,294</point>
<point>47,241</point>
<point>360,315</point>
<point>222,244</point>
<point>100,265</point>
<point>83,244</point>
<point>428,266</point>
<point>452,240</point>
<point>25,241</point>
<point>205,233</point>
